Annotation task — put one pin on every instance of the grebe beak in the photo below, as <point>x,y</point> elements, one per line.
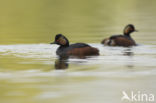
<point>53,42</point>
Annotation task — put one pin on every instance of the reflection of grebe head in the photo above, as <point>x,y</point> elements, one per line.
<point>61,63</point>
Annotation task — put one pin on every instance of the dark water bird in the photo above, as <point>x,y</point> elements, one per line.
<point>124,40</point>
<point>77,49</point>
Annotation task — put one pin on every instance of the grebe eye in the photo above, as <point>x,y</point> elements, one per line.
<point>57,40</point>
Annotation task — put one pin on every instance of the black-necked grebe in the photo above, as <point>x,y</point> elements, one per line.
<point>77,49</point>
<point>124,40</point>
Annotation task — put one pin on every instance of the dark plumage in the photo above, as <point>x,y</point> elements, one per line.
<point>124,40</point>
<point>78,49</point>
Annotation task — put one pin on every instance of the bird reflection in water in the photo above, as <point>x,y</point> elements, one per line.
<point>62,62</point>
<point>128,52</point>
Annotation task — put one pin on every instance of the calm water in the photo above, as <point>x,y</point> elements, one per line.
<point>30,70</point>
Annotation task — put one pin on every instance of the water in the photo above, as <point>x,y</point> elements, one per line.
<point>31,72</point>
